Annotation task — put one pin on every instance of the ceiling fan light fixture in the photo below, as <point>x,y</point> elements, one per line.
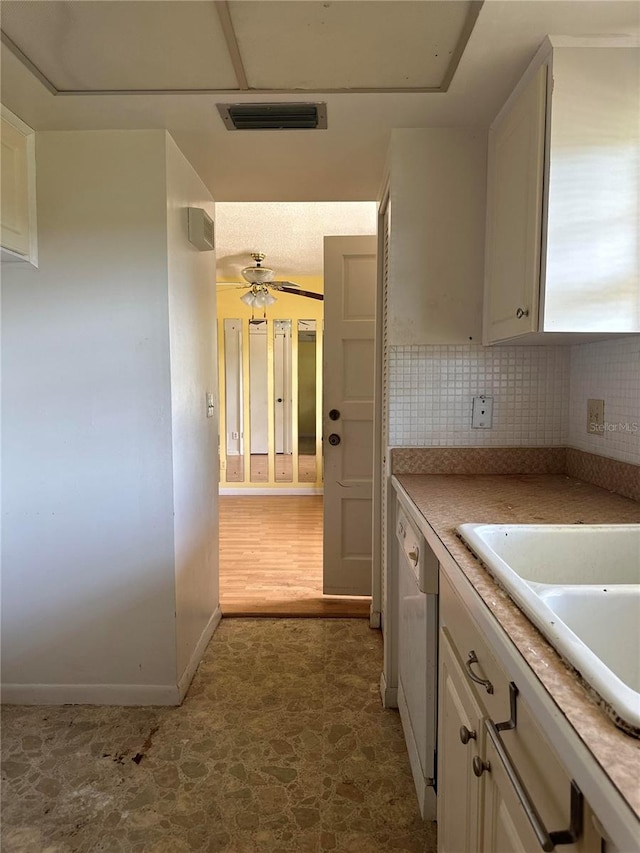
<point>257,275</point>
<point>248,299</point>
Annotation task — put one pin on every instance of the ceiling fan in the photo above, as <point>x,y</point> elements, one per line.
<point>261,282</point>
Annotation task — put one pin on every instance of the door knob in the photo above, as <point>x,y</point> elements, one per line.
<point>522,312</point>
<point>334,414</point>
<point>334,439</point>
<point>278,399</point>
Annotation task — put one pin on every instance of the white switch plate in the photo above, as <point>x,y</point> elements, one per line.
<point>209,405</point>
<point>595,417</point>
<point>482,413</point>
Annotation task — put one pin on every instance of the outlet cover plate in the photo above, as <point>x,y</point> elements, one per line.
<point>482,413</point>
<point>595,417</point>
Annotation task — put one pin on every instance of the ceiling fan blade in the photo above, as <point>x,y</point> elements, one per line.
<point>278,285</point>
<point>296,290</point>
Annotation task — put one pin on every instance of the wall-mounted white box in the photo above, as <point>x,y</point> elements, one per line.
<point>201,229</point>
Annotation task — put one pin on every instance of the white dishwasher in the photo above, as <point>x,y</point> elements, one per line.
<point>418,657</point>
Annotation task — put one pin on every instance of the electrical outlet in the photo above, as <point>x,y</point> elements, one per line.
<point>595,417</point>
<point>482,413</point>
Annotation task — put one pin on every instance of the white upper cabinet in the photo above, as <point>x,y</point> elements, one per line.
<point>563,227</point>
<point>436,235</point>
<point>17,190</point>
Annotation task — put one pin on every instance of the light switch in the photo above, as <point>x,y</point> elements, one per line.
<point>482,413</point>
<point>209,405</point>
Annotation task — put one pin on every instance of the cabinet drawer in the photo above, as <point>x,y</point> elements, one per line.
<point>468,639</point>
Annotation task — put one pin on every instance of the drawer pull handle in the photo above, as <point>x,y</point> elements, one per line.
<point>484,682</point>
<point>467,734</point>
<point>414,556</point>
<point>547,840</point>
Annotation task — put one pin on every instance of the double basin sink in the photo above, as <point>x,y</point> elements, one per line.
<point>580,586</point>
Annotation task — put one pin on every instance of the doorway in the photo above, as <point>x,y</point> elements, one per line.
<point>271,406</point>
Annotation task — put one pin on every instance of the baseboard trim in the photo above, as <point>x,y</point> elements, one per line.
<point>190,670</point>
<point>389,694</point>
<point>250,491</point>
<point>90,694</point>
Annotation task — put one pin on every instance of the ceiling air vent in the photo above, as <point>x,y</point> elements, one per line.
<point>286,116</point>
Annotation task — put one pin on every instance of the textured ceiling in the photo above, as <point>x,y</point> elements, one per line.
<point>290,234</point>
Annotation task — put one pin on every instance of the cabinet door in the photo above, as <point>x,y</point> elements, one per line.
<point>514,215</point>
<point>14,216</point>
<point>505,826</point>
<point>458,789</point>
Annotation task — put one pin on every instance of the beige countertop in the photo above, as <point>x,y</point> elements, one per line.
<point>446,501</point>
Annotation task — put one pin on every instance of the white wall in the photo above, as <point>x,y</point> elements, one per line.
<point>436,265</point>
<point>609,371</point>
<point>192,325</point>
<point>87,546</point>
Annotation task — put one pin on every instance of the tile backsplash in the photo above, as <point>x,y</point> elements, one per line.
<point>539,395</point>
<point>609,371</point>
<point>431,389</point>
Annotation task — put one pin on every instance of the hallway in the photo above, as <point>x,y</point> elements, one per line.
<point>280,745</point>
<point>271,559</point>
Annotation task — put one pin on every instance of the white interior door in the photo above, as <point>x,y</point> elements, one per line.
<point>349,369</point>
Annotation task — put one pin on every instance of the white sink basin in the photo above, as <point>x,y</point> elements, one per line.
<point>580,585</point>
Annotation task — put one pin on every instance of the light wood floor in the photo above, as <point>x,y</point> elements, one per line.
<point>271,559</point>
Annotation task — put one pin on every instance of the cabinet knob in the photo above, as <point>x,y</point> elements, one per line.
<point>522,312</point>
<point>414,556</point>
<point>479,766</point>
<point>467,734</point>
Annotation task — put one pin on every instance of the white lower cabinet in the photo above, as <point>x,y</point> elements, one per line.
<point>501,787</point>
<point>459,719</point>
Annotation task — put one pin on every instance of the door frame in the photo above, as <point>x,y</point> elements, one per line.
<point>379,450</point>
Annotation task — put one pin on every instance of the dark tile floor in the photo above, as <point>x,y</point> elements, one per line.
<point>280,745</point>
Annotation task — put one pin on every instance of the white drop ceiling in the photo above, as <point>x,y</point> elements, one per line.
<point>321,45</point>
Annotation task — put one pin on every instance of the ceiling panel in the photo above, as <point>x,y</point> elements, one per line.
<point>346,44</point>
<point>81,45</point>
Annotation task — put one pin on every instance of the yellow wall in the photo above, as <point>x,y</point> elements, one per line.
<point>288,307</point>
